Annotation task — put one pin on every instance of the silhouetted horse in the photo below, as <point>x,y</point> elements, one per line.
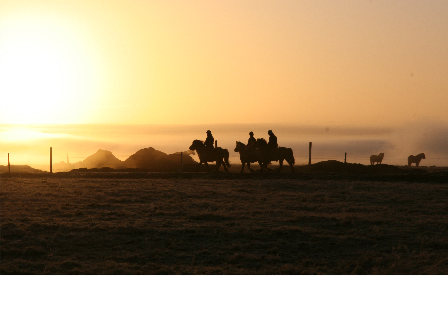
<point>218,154</point>
<point>279,154</point>
<point>415,159</point>
<point>376,158</point>
<point>248,155</point>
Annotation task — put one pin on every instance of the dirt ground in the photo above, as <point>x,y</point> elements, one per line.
<point>222,224</point>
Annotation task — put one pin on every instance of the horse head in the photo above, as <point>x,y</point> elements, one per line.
<point>239,146</point>
<point>422,155</point>
<point>196,144</point>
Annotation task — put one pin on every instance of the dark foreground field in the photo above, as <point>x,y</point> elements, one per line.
<point>201,224</point>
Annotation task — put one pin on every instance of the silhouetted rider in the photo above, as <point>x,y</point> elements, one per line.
<point>210,141</point>
<point>252,141</point>
<point>272,140</point>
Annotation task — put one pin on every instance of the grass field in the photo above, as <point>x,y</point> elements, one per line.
<point>221,224</point>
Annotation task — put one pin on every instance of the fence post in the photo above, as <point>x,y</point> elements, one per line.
<point>345,159</point>
<point>181,163</point>
<point>51,159</point>
<point>309,155</point>
<point>9,166</point>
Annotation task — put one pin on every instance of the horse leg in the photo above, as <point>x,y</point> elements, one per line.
<point>280,166</point>
<point>208,168</point>
<point>224,165</point>
<point>242,167</point>
<point>248,166</point>
<point>290,164</point>
<point>199,166</point>
<point>264,166</point>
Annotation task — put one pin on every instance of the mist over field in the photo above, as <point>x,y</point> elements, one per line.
<point>29,144</point>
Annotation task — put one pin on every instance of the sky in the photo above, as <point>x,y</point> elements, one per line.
<point>323,64</point>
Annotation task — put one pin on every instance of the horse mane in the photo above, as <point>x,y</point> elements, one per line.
<point>262,141</point>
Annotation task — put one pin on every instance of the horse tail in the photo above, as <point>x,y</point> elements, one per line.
<point>226,157</point>
<point>409,160</point>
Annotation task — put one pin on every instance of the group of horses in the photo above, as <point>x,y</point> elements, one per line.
<point>411,159</point>
<point>263,154</point>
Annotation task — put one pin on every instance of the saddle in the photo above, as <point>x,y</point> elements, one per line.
<point>271,153</point>
<point>252,153</point>
<point>210,151</point>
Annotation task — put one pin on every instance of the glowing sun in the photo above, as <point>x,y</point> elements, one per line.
<point>42,75</point>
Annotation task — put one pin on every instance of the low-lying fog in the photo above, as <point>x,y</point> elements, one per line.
<point>29,144</point>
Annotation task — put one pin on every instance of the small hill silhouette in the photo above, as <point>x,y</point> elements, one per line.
<point>19,169</point>
<point>148,159</point>
<point>155,160</point>
<point>102,158</point>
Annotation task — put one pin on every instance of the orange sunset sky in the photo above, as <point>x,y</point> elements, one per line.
<point>328,64</point>
<point>175,62</point>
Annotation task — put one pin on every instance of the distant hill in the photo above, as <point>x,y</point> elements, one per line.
<point>19,169</point>
<point>154,160</point>
<point>102,158</point>
<point>148,159</point>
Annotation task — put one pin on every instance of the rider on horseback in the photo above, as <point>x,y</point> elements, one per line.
<point>251,144</point>
<point>252,141</point>
<point>272,140</point>
<point>209,142</point>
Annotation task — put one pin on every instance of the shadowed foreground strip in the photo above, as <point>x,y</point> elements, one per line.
<point>209,226</point>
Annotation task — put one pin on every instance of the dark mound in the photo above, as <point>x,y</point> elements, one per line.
<point>151,159</point>
<point>384,169</point>
<point>333,166</point>
<point>20,169</point>
<point>102,158</point>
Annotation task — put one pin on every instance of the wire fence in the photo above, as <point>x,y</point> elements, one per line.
<point>42,160</point>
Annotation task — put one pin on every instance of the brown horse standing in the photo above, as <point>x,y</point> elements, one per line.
<point>248,155</point>
<point>218,154</point>
<point>376,158</point>
<point>275,154</point>
<point>415,159</point>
